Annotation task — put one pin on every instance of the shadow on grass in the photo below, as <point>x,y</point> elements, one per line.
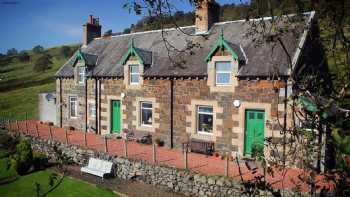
<point>26,82</point>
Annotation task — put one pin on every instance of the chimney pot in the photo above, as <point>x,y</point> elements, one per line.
<point>91,19</point>
<point>91,30</point>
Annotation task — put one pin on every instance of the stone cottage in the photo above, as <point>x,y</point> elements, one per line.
<point>227,91</point>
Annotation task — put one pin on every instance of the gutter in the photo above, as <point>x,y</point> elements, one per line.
<point>86,105</point>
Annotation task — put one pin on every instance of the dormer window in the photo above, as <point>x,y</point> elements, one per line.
<point>223,73</point>
<point>134,74</point>
<point>81,75</point>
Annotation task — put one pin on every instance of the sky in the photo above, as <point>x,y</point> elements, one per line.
<point>27,23</point>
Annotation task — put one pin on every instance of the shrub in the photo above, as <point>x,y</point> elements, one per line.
<point>40,161</point>
<point>22,160</point>
<point>11,52</point>
<point>66,51</point>
<point>23,56</point>
<point>43,63</point>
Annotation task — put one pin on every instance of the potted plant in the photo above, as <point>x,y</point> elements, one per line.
<point>159,142</point>
<point>216,154</point>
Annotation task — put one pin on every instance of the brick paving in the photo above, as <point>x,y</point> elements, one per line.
<point>208,165</point>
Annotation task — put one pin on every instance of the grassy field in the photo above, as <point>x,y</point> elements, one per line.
<point>4,171</point>
<point>20,85</point>
<point>25,186</point>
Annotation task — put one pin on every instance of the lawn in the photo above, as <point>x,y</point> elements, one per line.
<point>4,171</point>
<point>20,85</point>
<point>25,186</point>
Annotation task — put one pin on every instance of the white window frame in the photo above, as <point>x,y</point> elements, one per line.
<point>222,72</point>
<point>134,73</point>
<point>146,108</point>
<point>81,74</point>
<point>93,108</point>
<point>75,106</point>
<point>205,113</point>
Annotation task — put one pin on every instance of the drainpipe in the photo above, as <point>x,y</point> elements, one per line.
<point>99,107</point>
<point>86,105</point>
<point>60,101</point>
<point>96,106</point>
<point>171,113</point>
<point>285,121</point>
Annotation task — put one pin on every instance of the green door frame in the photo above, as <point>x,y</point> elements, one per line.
<point>254,130</point>
<point>115,116</point>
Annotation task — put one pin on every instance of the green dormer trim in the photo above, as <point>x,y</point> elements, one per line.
<point>221,44</point>
<point>131,52</point>
<point>79,56</point>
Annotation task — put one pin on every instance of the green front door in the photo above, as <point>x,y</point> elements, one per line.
<point>254,131</point>
<point>116,124</point>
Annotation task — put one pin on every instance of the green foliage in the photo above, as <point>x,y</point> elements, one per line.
<point>23,56</point>
<point>43,63</point>
<point>40,161</point>
<point>38,49</point>
<point>66,51</point>
<point>22,160</point>
<point>11,52</point>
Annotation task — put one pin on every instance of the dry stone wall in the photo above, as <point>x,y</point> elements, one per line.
<point>181,181</point>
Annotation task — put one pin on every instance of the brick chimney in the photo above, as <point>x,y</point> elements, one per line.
<point>91,30</point>
<point>207,13</point>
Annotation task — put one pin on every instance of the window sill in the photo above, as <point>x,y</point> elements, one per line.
<point>148,128</point>
<point>204,133</point>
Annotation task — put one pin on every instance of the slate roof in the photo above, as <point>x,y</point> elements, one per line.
<point>261,60</point>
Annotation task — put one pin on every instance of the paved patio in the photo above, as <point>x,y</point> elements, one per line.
<point>208,165</point>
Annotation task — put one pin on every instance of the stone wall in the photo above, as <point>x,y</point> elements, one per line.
<point>181,181</point>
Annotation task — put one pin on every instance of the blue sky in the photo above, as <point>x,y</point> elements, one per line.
<point>26,23</point>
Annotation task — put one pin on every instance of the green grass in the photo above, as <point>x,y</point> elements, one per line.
<point>4,172</point>
<point>20,85</point>
<point>69,187</point>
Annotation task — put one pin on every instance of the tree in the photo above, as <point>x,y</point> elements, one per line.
<point>38,49</point>
<point>43,63</point>
<point>23,56</point>
<point>65,51</point>
<point>11,52</point>
<point>316,101</point>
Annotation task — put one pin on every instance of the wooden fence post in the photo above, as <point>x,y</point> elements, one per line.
<point>66,134</point>
<point>85,138</point>
<point>51,137</point>
<point>226,165</point>
<point>106,147</point>
<point>27,131</point>
<point>37,130</point>
<point>125,148</point>
<point>186,159</point>
<point>154,153</point>
<point>17,125</point>
<point>8,125</point>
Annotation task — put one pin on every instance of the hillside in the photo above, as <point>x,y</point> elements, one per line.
<point>20,85</point>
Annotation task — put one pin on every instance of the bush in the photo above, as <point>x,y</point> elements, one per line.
<point>22,160</point>
<point>66,51</point>
<point>23,56</point>
<point>40,161</point>
<point>43,63</point>
<point>12,51</point>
